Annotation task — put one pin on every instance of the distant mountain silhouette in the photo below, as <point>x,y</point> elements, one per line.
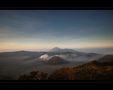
<point>56,60</point>
<point>106,60</point>
<point>57,49</point>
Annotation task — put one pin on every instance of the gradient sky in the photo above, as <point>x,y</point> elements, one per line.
<point>42,29</point>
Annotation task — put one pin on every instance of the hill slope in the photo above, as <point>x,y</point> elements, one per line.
<point>55,60</point>
<point>94,70</point>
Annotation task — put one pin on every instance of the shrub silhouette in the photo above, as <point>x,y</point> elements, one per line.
<point>34,75</point>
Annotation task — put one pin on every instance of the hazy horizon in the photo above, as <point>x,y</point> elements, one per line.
<point>86,50</point>
<point>35,30</point>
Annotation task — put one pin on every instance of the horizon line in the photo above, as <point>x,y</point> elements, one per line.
<point>42,50</point>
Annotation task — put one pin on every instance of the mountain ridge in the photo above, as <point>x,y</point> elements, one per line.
<point>57,49</point>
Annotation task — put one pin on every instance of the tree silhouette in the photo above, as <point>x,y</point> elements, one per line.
<point>34,75</point>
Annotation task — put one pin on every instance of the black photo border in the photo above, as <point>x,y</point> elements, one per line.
<point>55,5</point>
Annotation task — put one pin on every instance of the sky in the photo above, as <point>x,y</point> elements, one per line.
<point>44,29</point>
